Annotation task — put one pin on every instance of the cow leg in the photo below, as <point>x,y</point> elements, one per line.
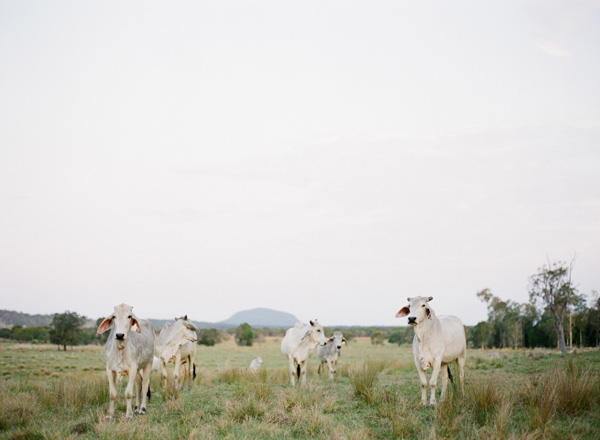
<point>303,372</point>
<point>190,372</point>
<point>138,390</point>
<point>165,374</point>
<point>112,389</point>
<point>292,370</point>
<point>424,383</point>
<point>183,375</point>
<point>331,369</point>
<point>444,381</point>
<point>129,390</point>
<point>177,370</point>
<point>437,364</point>
<point>462,359</point>
<point>144,388</point>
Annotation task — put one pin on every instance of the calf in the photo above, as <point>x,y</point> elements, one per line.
<point>331,352</point>
<point>128,353</point>
<point>298,344</point>
<point>256,364</point>
<point>437,342</point>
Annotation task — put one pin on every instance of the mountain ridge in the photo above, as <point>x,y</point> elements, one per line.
<point>262,317</point>
<point>257,317</point>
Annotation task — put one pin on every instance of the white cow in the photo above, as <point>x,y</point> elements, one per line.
<point>177,343</point>
<point>298,344</point>
<point>256,364</point>
<point>155,364</point>
<point>331,352</point>
<point>437,342</point>
<point>128,353</point>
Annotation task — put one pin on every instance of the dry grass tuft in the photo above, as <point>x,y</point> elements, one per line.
<point>393,406</point>
<point>483,399</point>
<point>363,378</point>
<point>17,410</point>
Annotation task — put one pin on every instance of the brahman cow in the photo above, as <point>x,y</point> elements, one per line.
<point>128,353</point>
<point>298,344</point>
<point>177,343</point>
<point>331,352</point>
<point>437,342</point>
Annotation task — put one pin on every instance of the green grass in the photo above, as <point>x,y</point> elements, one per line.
<point>376,394</point>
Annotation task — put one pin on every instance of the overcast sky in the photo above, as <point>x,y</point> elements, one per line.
<point>323,158</point>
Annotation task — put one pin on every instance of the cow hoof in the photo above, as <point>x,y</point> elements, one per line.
<point>142,411</point>
<point>129,416</point>
<point>109,417</point>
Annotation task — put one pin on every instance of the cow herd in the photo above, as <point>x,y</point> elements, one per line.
<point>130,347</point>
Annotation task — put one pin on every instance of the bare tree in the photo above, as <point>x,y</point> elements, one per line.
<point>553,287</point>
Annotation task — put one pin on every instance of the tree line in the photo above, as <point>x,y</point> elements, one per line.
<point>557,314</point>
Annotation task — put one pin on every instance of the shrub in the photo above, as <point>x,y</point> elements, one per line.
<point>244,335</point>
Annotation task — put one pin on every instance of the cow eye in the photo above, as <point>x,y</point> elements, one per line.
<point>423,305</point>
<point>129,317</point>
<point>319,331</point>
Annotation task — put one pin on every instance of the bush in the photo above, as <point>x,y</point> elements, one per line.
<point>244,335</point>
<point>209,337</point>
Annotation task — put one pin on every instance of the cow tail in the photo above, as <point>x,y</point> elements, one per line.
<point>194,372</point>
<point>450,374</point>
<point>298,371</point>
<point>149,393</point>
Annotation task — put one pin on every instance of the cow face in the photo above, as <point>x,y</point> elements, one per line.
<point>317,335</point>
<point>337,340</point>
<point>417,310</point>
<point>123,320</point>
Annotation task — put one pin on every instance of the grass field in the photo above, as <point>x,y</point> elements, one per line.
<point>523,394</point>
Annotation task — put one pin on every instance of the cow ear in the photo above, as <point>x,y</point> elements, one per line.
<point>305,335</point>
<point>191,326</point>
<point>135,325</point>
<point>312,323</point>
<point>105,325</point>
<point>427,312</point>
<point>430,298</point>
<point>344,341</point>
<point>404,311</point>
<point>330,340</point>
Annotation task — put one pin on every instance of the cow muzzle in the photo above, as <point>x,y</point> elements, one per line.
<point>412,320</point>
<point>120,336</point>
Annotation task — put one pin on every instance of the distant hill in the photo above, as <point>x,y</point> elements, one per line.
<point>9,318</point>
<point>256,318</point>
<point>158,324</point>
<point>262,317</point>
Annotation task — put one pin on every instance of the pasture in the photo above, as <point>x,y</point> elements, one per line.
<point>52,394</point>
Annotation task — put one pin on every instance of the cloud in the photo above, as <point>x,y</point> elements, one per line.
<point>554,50</point>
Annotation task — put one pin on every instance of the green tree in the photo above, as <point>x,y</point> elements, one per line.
<point>209,337</point>
<point>66,329</point>
<point>244,335</point>
<point>552,287</point>
<point>5,333</point>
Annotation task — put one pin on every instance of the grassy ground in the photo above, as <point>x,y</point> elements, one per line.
<point>523,394</point>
